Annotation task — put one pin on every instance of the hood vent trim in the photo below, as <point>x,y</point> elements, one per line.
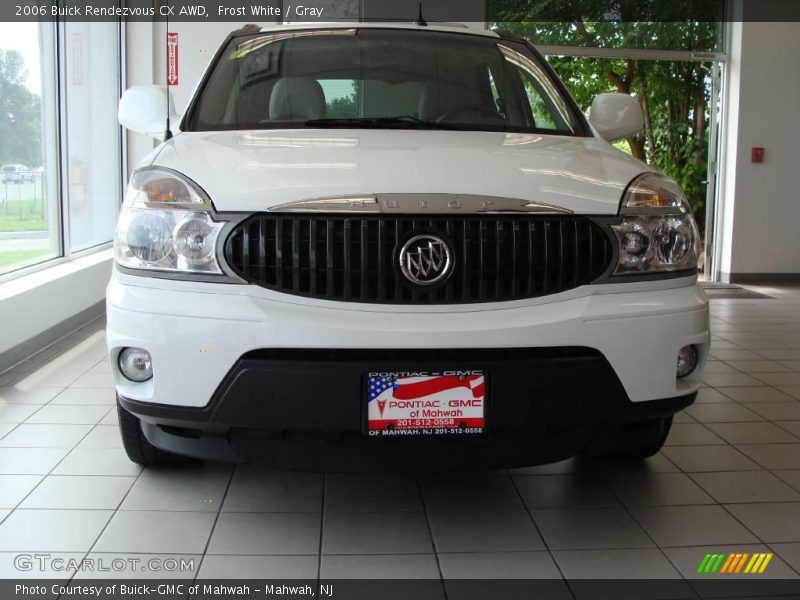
<point>420,204</point>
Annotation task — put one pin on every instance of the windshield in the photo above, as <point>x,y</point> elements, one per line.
<point>380,78</point>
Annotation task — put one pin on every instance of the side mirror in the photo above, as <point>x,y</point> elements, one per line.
<point>143,109</point>
<point>616,116</point>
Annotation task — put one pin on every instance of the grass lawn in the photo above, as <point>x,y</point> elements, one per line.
<point>29,219</point>
<point>17,258</point>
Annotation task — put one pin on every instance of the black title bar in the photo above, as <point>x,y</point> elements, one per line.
<point>391,589</point>
<point>478,11</point>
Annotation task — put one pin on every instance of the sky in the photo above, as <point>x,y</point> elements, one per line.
<point>24,37</point>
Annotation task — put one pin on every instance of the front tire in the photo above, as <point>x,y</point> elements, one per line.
<point>137,446</point>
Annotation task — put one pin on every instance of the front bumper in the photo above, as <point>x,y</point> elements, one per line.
<point>241,371</point>
<point>196,332</point>
<point>305,409</point>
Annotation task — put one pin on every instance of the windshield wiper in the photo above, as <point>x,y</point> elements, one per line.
<point>399,122</point>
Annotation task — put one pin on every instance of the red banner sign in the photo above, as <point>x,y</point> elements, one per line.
<point>172,58</point>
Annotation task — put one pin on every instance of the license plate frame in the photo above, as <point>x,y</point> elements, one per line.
<point>424,403</point>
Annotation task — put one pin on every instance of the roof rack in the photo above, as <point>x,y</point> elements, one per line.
<point>507,35</point>
<point>252,28</point>
<point>245,29</point>
<point>412,21</point>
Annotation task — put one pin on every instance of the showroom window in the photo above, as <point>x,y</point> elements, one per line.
<point>60,145</point>
<point>93,150</point>
<point>30,228</point>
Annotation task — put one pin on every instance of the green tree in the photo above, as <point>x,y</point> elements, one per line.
<point>674,95</point>
<point>345,107</point>
<point>342,108</point>
<point>20,114</point>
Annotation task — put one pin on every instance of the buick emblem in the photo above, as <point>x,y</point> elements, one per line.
<point>426,259</point>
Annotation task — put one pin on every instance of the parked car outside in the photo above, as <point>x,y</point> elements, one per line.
<point>393,246</point>
<point>16,173</point>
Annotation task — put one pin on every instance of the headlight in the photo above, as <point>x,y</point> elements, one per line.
<point>166,225</point>
<point>658,232</point>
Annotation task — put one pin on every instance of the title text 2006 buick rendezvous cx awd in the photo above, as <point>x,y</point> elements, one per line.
<point>390,245</point>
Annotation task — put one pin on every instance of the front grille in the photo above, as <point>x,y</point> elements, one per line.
<point>354,258</point>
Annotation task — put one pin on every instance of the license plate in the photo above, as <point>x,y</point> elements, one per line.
<point>425,403</point>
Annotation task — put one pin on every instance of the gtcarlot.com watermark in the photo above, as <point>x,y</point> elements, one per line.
<point>45,562</point>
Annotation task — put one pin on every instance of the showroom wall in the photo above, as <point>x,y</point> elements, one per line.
<point>760,235</point>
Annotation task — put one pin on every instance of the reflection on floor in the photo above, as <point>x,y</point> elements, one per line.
<point>729,480</point>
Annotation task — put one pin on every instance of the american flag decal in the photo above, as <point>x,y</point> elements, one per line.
<point>398,401</point>
<point>406,389</point>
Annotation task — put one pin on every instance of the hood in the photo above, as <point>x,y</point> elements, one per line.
<point>251,171</point>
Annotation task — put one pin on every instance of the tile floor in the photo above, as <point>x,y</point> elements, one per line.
<point>728,479</point>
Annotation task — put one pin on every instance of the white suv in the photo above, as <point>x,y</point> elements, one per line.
<point>372,246</point>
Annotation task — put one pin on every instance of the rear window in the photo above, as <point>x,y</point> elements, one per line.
<point>377,77</point>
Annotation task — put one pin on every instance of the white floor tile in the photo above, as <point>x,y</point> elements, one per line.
<point>52,530</point>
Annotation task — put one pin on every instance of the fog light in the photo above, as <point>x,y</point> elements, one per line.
<point>136,364</point>
<point>687,360</point>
